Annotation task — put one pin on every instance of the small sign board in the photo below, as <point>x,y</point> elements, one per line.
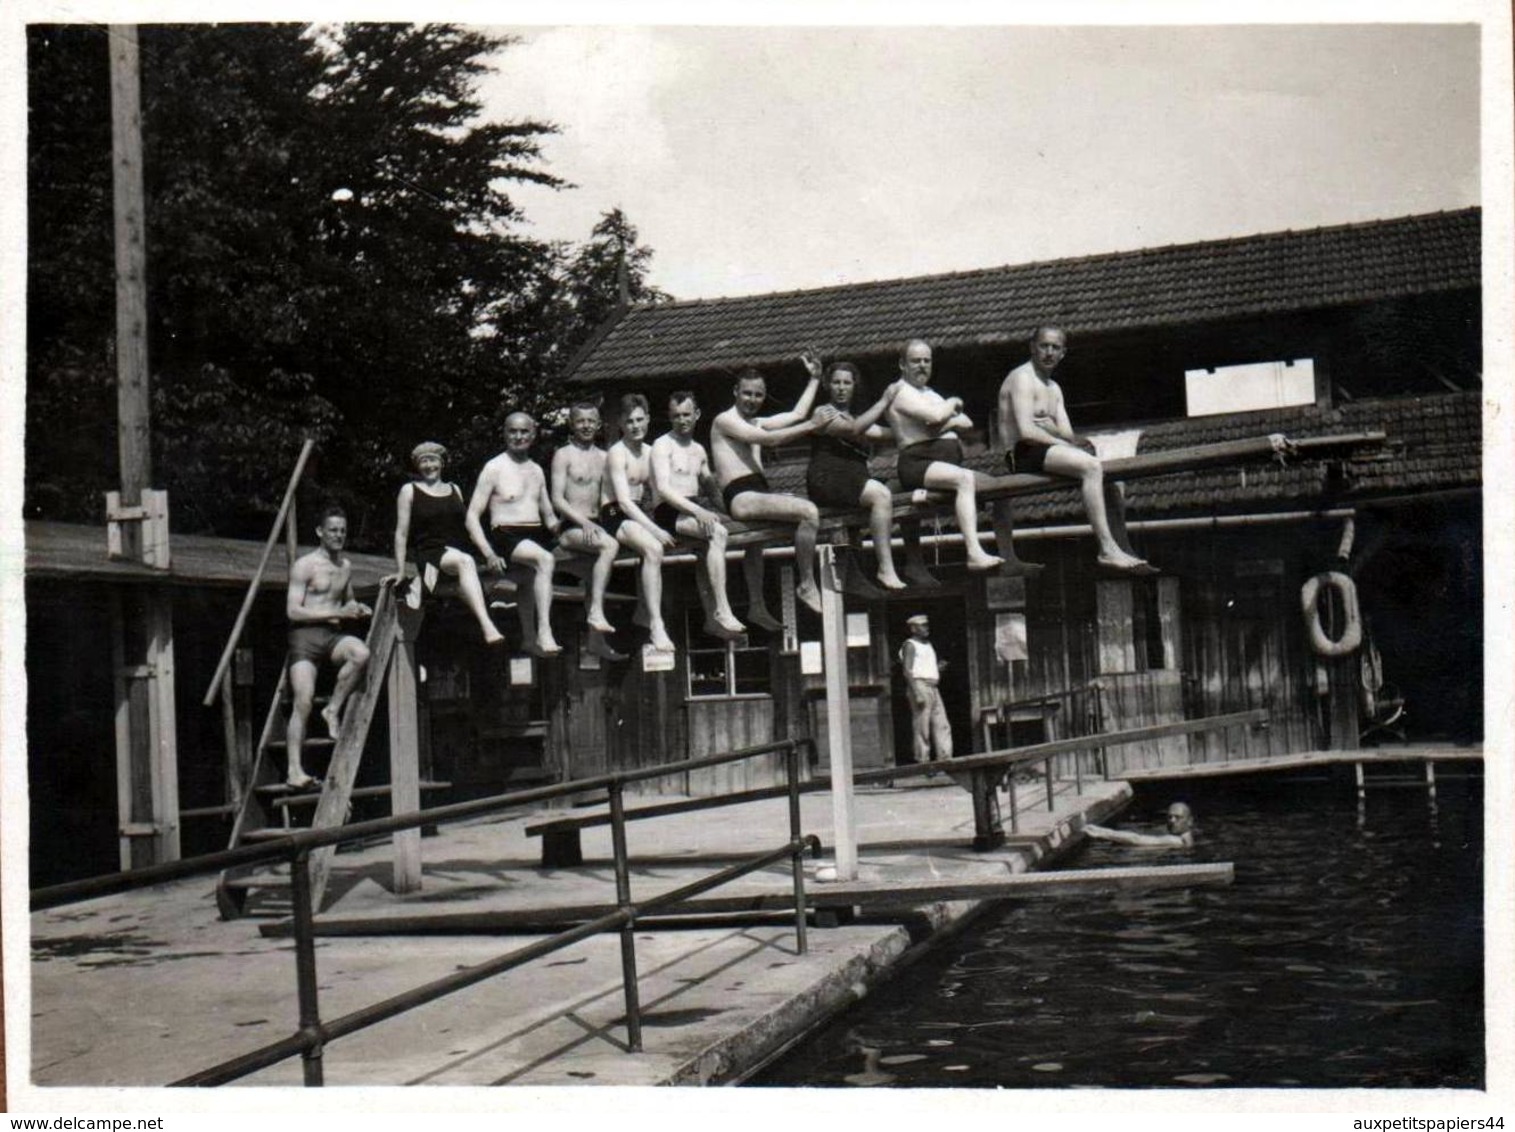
<point>657,660</point>
<point>811,663</point>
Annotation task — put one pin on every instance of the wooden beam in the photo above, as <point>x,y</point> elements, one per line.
<point>838,715</point>
<point>133,397</point>
<point>743,535</point>
<point>1070,882</point>
<point>404,762</point>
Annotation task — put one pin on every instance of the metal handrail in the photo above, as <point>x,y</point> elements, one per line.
<point>310,1039</point>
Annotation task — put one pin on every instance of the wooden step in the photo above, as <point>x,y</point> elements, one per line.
<point>313,741</point>
<point>283,796</point>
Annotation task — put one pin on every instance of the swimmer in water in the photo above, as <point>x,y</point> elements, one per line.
<point>1180,833</point>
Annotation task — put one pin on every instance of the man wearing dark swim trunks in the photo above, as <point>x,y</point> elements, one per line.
<point>737,438</point>
<point>1034,426</point>
<point>522,524</point>
<point>319,602</point>
<point>678,471</point>
<point>925,427</point>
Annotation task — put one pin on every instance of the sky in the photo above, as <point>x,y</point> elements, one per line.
<point>756,159</point>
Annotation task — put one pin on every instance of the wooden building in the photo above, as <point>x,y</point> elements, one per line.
<point>80,807</point>
<point>1333,330</point>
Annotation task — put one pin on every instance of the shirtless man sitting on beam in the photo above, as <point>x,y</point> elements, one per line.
<point>623,490</point>
<point>680,468</point>
<point>522,524</point>
<point>578,474</point>
<point>737,438</point>
<point>1039,438</point>
<point>925,428</point>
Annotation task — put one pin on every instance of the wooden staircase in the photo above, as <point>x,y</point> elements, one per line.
<point>270,809</point>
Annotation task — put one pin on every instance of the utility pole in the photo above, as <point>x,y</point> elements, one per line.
<point>147,779</point>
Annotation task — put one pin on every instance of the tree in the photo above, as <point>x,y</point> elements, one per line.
<point>330,251</point>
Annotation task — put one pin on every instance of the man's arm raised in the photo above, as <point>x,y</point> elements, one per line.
<point>801,408</point>
<point>740,431</point>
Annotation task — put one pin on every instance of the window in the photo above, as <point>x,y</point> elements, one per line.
<point>1247,388</point>
<point>729,668</point>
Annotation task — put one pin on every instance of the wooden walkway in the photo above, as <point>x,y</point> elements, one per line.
<point>1300,759</point>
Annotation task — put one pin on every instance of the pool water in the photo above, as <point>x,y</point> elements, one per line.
<point>1348,953</point>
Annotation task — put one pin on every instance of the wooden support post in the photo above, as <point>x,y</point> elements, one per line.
<point>133,397</point>
<point>404,763</point>
<point>988,832</point>
<point>162,727</point>
<point>838,715</point>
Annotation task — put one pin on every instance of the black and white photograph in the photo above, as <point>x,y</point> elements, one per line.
<point>910,562</point>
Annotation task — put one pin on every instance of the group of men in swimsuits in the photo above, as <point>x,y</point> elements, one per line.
<point>641,497</point>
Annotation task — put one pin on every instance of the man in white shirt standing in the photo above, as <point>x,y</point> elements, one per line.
<point>922,675</point>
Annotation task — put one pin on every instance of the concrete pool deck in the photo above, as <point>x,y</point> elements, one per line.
<point>145,987</point>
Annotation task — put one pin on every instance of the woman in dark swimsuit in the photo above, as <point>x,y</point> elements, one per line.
<point>429,526</point>
<point>838,473</point>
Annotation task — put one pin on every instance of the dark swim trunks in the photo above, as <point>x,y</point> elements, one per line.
<point>314,642</point>
<point>1031,458</point>
<point>916,458</point>
<point>754,482</point>
<point>837,474</point>
<point>666,515</point>
<point>612,518</point>
<point>506,538</point>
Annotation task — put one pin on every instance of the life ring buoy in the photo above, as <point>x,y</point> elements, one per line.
<point>1351,634</point>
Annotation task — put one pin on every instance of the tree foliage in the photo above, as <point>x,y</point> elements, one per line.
<point>333,251</point>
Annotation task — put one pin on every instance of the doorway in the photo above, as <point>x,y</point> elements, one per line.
<point>949,636</point>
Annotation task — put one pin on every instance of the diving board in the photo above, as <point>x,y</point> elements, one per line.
<point>858,894</point>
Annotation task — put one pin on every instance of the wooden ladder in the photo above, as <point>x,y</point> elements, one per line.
<point>268,805</point>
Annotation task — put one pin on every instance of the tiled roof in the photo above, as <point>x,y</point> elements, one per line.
<point>1183,283</point>
<point>1433,443</point>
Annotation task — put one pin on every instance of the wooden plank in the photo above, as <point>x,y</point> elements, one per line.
<point>163,740</point>
<point>838,716</point>
<point>342,772</point>
<point>1117,650</point>
<point>404,764</point>
<point>1297,759</point>
<point>1225,453</point>
<point>1071,882</point>
<point>133,395</point>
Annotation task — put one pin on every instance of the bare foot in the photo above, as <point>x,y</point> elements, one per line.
<point>493,636</point>
<point>759,616</point>
<point>1125,563</point>
<point>333,720</point>
<point>303,781</point>
<point>985,562</point>
<point>599,646</point>
<point>598,623</point>
<point>545,648</point>
<point>714,627</point>
<point>811,596</point>
<point>921,578</point>
<point>661,641</point>
<point>891,581</point>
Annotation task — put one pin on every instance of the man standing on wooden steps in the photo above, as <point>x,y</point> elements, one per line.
<point>1039,439</point>
<point>318,604</point>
